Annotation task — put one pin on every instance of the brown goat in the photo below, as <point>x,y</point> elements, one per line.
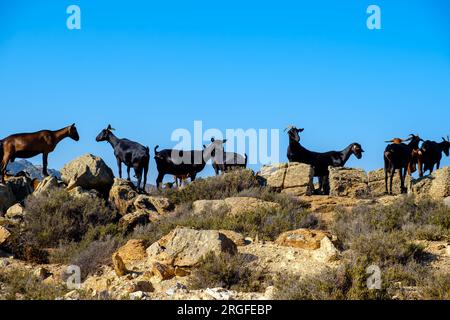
<point>416,157</point>
<point>28,145</point>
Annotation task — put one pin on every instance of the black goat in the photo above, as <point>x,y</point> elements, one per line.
<point>320,161</point>
<point>399,156</point>
<point>229,161</point>
<point>432,153</point>
<point>182,163</point>
<point>131,153</point>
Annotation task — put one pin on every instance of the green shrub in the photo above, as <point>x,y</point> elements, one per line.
<point>347,282</point>
<point>228,271</point>
<point>386,249</point>
<point>426,219</point>
<point>267,223</point>
<point>97,254</point>
<point>21,284</point>
<point>54,218</point>
<point>213,188</point>
<point>436,287</point>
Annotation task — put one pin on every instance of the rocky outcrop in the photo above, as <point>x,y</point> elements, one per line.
<point>208,206</point>
<point>16,212</point>
<point>4,235</point>
<point>302,239</point>
<point>233,206</point>
<point>133,251</point>
<point>237,238</point>
<point>436,185</point>
<point>123,195</point>
<point>88,172</point>
<point>160,204</point>
<point>242,205</point>
<point>291,178</point>
<point>377,184</point>
<point>130,204</point>
<point>184,248</point>
<point>47,184</point>
<point>119,265</point>
<point>79,192</point>
<point>346,182</point>
<point>131,220</point>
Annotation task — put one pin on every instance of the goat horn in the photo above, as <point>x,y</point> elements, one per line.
<point>289,127</point>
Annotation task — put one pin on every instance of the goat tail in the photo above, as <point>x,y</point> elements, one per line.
<point>156,149</point>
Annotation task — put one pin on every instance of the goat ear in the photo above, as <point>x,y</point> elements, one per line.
<point>212,139</point>
<point>300,130</point>
<point>109,127</point>
<point>73,125</point>
<point>225,141</point>
<point>204,147</point>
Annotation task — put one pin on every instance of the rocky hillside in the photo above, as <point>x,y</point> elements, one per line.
<point>237,236</point>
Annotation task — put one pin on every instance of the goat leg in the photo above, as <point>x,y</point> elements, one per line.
<point>391,180</point>
<point>44,164</point>
<point>386,180</point>
<point>119,165</point>
<point>159,180</point>
<point>145,177</point>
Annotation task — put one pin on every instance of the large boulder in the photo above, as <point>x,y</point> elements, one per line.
<point>233,206</point>
<point>159,204</point>
<point>16,212</point>
<point>185,247</point>
<point>242,205</point>
<point>88,172</point>
<point>436,185</point>
<point>209,206</point>
<point>130,221</point>
<point>7,198</point>
<point>346,182</point>
<point>292,178</point>
<point>133,251</point>
<point>377,184</point>
<point>123,195</point>
<point>302,239</point>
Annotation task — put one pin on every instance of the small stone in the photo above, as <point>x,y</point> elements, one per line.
<point>162,271</point>
<point>119,266</point>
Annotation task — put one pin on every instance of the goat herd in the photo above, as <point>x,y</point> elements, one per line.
<point>398,155</point>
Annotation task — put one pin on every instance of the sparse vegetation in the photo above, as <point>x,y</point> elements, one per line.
<point>55,218</point>
<point>268,224</point>
<point>384,236</point>
<point>229,272</point>
<point>219,187</point>
<point>21,284</point>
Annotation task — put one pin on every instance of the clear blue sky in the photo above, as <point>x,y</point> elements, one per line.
<point>149,67</point>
